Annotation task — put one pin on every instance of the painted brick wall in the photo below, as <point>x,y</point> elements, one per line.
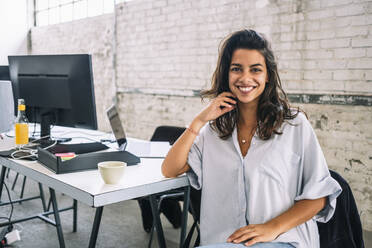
<point>322,46</point>
<point>345,135</point>
<point>93,36</point>
<point>168,49</point>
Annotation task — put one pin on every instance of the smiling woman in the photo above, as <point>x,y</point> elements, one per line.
<point>262,173</point>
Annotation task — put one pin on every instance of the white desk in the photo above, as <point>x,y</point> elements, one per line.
<point>88,187</point>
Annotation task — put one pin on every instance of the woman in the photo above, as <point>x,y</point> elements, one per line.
<point>263,176</point>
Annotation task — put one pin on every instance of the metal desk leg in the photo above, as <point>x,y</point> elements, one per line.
<point>57,219</point>
<point>186,203</point>
<point>23,188</point>
<point>49,203</point>
<point>74,216</point>
<point>42,197</point>
<point>15,181</point>
<point>2,176</point>
<point>96,223</point>
<point>157,221</point>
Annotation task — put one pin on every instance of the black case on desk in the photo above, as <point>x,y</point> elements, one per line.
<point>82,162</point>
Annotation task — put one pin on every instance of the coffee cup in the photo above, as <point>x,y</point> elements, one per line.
<point>111,171</point>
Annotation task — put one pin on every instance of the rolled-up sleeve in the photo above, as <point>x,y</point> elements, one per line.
<point>316,181</point>
<point>195,161</point>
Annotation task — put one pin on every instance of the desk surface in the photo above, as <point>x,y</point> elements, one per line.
<point>88,186</point>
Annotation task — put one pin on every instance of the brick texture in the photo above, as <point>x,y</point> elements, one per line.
<point>93,36</point>
<point>172,46</point>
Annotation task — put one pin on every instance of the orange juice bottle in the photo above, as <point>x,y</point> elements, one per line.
<point>21,125</point>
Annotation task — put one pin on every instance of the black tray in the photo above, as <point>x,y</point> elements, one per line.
<point>82,162</point>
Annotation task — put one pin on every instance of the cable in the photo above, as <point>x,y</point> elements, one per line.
<point>11,202</point>
<point>46,136</point>
<point>45,148</point>
<point>32,153</point>
<point>9,136</point>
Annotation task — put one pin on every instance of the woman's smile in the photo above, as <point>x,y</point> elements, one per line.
<point>246,89</point>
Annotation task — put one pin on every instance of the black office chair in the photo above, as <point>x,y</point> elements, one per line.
<point>344,229</point>
<point>167,203</point>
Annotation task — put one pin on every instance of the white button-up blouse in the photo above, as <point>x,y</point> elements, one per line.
<point>237,190</point>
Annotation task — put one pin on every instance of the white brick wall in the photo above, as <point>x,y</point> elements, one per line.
<point>313,32</point>
<point>344,133</point>
<point>169,48</point>
<point>93,36</point>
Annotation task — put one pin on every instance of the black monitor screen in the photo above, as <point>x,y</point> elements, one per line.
<point>57,89</point>
<point>4,72</point>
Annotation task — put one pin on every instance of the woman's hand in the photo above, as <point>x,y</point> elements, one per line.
<point>298,214</point>
<point>254,234</point>
<point>217,107</point>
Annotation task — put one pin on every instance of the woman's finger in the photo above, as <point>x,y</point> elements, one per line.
<point>246,236</point>
<point>228,99</point>
<point>233,236</point>
<point>225,104</point>
<point>238,233</point>
<point>253,241</point>
<point>225,110</point>
<point>230,96</point>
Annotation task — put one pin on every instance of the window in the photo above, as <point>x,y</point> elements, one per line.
<point>48,12</point>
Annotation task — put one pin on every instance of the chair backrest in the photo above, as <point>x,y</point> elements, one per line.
<point>167,133</point>
<point>344,229</point>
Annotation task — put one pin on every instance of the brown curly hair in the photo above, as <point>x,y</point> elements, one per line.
<point>273,107</point>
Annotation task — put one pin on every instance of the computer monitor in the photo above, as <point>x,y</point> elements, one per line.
<point>57,89</point>
<point>4,72</point>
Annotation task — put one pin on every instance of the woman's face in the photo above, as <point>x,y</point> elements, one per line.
<point>247,75</point>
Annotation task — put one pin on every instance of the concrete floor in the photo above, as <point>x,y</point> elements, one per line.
<point>121,224</point>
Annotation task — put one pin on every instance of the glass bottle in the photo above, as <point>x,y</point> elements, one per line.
<point>21,125</point>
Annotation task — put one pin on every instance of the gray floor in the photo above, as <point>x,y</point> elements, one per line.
<point>120,227</point>
<point>121,224</point>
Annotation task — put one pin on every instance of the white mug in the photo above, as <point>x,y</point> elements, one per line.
<point>111,171</point>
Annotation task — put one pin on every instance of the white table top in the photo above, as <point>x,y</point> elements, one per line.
<point>88,187</point>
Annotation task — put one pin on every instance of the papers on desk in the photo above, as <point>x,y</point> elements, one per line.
<point>148,149</point>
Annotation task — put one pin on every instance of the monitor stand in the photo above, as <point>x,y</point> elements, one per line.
<point>46,121</point>
<point>45,140</point>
